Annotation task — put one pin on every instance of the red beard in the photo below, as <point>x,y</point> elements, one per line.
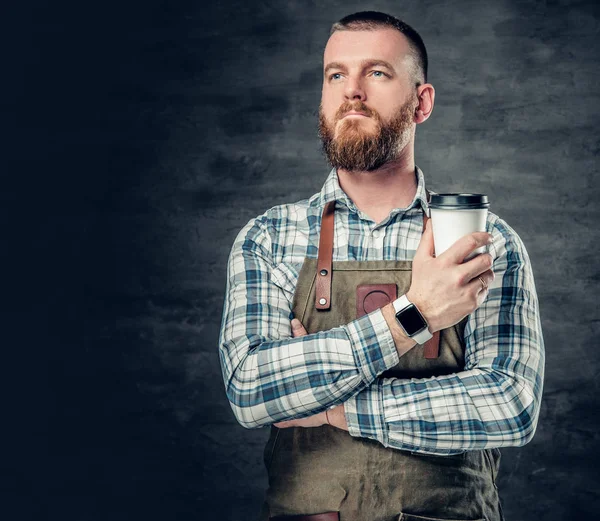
<point>356,149</point>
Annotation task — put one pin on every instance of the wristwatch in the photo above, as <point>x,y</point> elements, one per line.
<point>411,320</point>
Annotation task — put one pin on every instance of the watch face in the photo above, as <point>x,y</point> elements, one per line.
<point>411,320</point>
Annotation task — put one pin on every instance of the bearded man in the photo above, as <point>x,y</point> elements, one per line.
<point>370,419</point>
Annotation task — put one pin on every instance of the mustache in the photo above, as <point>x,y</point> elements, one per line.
<point>356,107</point>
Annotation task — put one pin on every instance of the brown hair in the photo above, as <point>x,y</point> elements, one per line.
<point>371,20</point>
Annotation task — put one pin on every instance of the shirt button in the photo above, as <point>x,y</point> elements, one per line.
<point>376,234</point>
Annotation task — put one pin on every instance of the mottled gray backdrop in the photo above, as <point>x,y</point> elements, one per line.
<point>144,135</point>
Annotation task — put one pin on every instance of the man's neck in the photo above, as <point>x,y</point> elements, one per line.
<point>378,192</point>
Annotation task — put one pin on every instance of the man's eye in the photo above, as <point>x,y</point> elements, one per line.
<point>335,76</point>
<point>379,74</point>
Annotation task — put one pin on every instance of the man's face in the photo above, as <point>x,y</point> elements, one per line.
<point>368,101</point>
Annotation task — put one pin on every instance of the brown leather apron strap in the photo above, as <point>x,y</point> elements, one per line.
<point>431,349</point>
<point>327,516</point>
<point>323,293</point>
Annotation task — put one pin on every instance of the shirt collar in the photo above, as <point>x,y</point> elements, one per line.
<point>332,191</point>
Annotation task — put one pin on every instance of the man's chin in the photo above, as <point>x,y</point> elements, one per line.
<point>354,129</point>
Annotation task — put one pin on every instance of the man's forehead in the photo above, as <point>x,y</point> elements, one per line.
<point>354,47</point>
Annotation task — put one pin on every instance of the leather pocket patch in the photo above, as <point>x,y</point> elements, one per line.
<point>370,297</point>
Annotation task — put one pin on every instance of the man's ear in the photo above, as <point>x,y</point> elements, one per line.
<point>425,97</point>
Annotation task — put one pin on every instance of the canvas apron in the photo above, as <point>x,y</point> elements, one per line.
<point>324,469</point>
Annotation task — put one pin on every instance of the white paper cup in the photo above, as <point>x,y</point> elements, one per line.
<point>455,215</point>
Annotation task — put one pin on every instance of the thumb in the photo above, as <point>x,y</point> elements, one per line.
<point>298,328</point>
<point>426,248</point>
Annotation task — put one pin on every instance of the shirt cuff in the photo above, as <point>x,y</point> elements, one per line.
<point>364,414</point>
<point>372,345</point>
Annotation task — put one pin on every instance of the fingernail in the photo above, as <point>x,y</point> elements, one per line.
<point>490,238</point>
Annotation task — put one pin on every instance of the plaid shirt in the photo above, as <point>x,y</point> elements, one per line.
<point>270,376</point>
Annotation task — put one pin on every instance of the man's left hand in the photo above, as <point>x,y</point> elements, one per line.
<point>336,415</point>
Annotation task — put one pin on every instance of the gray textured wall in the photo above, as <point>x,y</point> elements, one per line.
<point>148,133</point>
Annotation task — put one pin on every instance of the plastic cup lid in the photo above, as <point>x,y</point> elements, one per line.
<point>459,201</point>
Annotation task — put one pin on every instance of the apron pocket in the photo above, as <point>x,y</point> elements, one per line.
<point>412,517</point>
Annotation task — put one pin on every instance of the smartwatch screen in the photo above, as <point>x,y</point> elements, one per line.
<point>411,320</point>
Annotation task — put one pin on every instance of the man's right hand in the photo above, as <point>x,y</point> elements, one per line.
<point>445,289</point>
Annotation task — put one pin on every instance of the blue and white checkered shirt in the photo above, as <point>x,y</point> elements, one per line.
<point>270,376</point>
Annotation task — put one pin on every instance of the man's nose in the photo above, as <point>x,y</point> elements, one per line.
<point>354,90</point>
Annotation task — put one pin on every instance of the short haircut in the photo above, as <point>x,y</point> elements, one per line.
<point>371,20</point>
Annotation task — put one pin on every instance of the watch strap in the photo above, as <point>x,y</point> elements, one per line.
<point>400,303</point>
<point>422,336</point>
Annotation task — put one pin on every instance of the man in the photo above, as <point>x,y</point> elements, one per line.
<point>370,421</point>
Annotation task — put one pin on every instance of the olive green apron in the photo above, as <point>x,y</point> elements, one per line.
<point>325,469</point>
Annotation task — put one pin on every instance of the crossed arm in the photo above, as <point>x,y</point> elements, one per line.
<point>274,376</point>
<point>334,416</point>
